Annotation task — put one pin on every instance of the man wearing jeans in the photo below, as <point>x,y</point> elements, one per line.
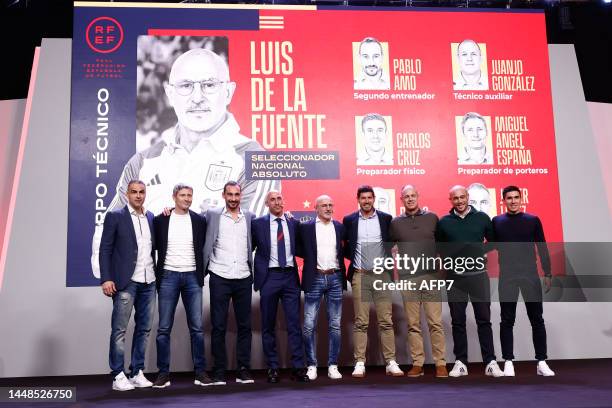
<point>367,238</point>
<point>180,243</point>
<point>323,274</point>
<point>127,273</point>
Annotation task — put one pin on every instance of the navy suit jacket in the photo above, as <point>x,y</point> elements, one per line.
<point>260,234</point>
<point>351,226</point>
<point>307,235</point>
<point>161,224</point>
<point>118,247</point>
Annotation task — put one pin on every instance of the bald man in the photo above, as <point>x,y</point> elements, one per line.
<point>204,149</point>
<point>464,230</point>
<point>323,274</point>
<point>470,77</point>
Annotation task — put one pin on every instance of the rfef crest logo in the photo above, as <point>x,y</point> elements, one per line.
<point>104,35</point>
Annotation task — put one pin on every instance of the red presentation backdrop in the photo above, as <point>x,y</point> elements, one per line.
<point>302,74</point>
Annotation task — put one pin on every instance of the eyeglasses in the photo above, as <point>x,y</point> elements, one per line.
<point>208,87</point>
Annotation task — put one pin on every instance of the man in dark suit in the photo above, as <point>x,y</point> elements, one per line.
<point>180,243</point>
<point>127,274</point>
<point>229,260</point>
<point>323,274</point>
<point>276,277</point>
<point>367,238</point>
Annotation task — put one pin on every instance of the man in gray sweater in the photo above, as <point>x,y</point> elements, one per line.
<point>414,234</point>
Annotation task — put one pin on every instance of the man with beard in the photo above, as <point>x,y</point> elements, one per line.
<point>372,75</point>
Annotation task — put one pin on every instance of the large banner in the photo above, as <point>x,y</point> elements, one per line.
<point>315,101</point>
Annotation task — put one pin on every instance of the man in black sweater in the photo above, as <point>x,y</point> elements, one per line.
<point>517,234</point>
<point>462,233</point>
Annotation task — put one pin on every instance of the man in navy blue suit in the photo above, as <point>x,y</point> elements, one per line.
<point>323,274</point>
<point>367,238</point>
<point>276,277</point>
<point>127,274</point>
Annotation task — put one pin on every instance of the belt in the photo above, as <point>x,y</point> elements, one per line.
<point>279,269</point>
<point>327,271</point>
<point>363,270</point>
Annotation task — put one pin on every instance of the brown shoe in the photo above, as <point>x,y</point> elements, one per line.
<point>415,371</point>
<point>441,371</point>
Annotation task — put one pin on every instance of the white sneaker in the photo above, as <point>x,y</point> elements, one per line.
<point>459,370</point>
<point>393,369</point>
<point>140,381</point>
<point>508,369</point>
<point>359,371</point>
<point>493,370</point>
<point>121,383</point>
<point>312,373</point>
<point>544,369</point>
<point>333,373</point>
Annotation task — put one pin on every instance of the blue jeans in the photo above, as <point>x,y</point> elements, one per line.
<point>141,297</point>
<point>171,285</point>
<point>329,286</point>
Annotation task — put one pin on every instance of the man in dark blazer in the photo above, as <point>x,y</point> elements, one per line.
<point>180,241</point>
<point>367,238</point>
<point>276,277</point>
<point>127,274</point>
<point>323,274</point>
<point>228,258</point>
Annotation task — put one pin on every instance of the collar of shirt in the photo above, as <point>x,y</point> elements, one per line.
<point>273,218</point>
<point>320,221</point>
<point>218,140</point>
<point>463,83</point>
<point>468,158</point>
<point>374,214</point>
<point>464,215</point>
<point>419,212</point>
<point>133,211</point>
<point>226,213</point>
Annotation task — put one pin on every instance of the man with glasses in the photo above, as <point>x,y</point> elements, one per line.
<point>204,149</point>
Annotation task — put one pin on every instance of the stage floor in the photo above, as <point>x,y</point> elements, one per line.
<point>578,383</point>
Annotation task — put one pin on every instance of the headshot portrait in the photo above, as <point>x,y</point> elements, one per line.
<point>482,198</point>
<point>469,61</point>
<point>371,65</point>
<point>384,200</point>
<point>373,140</point>
<point>474,140</point>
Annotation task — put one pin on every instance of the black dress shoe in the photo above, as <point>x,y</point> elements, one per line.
<point>299,375</point>
<point>273,376</point>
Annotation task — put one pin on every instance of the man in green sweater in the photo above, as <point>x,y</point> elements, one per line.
<point>463,231</point>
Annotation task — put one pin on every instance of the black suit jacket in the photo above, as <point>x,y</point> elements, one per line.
<point>198,227</point>
<point>307,234</point>
<point>351,225</point>
<point>119,249</point>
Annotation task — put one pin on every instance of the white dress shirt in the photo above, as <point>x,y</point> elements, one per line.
<point>327,257</point>
<point>229,258</point>
<point>144,271</point>
<point>273,242</point>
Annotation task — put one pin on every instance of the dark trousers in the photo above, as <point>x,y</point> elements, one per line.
<point>531,289</point>
<point>240,292</point>
<point>475,289</point>
<point>281,285</point>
